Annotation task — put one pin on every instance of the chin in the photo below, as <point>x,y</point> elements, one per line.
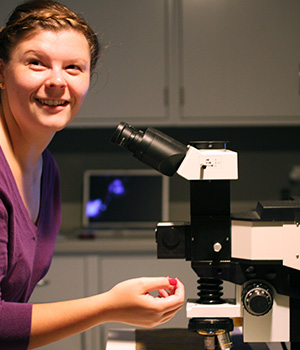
<point>57,124</point>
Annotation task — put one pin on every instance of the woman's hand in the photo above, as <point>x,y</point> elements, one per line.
<point>131,302</point>
<point>128,302</point>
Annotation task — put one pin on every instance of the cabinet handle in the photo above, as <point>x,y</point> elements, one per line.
<point>166,96</point>
<point>181,96</point>
<point>43,283</point>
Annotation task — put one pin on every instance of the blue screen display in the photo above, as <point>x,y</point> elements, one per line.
<point>114,198</point>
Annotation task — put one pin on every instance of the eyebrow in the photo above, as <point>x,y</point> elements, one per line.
<point>41,53</point>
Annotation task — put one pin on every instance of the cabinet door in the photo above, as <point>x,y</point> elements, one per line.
<point>64,281</point>
<point>240,61</point>
<point>131,79</point>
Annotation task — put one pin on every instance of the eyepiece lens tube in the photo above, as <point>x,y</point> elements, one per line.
<point>127,136</point>
<point>152,147</point>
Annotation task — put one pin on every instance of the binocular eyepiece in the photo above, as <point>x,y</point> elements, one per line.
<point>152,147</point>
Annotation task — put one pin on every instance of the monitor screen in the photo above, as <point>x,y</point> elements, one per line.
<point>124,198</point>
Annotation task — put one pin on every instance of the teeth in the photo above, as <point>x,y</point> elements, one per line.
<point>53,102</point>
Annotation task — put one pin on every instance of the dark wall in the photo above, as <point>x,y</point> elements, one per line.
<point>266,156</point>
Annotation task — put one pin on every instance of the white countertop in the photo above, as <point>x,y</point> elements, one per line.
<point>105,245</point>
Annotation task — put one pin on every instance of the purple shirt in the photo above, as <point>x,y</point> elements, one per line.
<point>25,249</point>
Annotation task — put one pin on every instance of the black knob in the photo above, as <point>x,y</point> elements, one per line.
<point>171,237</point>
<point>257,298</point>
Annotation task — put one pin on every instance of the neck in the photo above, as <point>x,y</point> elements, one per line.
<point>23,150</point>
<point>22,146</point>
<point>26,164</point>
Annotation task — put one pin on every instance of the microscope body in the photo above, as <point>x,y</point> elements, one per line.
<point>259,251</point>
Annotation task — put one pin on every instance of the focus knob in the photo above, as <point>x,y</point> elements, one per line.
<point>257,298</point>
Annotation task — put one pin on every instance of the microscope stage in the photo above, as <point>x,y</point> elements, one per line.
<point>212,310</point>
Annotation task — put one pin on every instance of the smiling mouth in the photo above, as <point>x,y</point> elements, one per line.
<point>52,103</point>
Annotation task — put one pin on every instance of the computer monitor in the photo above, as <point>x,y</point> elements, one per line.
<point>123,199</point>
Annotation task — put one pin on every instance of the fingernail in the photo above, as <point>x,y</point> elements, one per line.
<point>172,281</point>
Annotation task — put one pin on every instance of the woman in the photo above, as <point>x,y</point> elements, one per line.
<point>47,55</point>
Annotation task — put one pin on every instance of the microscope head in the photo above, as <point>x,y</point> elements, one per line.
<point>152,147</point>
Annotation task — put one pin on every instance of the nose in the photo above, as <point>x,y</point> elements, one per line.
<point>56,80</point>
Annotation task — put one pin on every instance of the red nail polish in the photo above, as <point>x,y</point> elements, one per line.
<point>172,281</point>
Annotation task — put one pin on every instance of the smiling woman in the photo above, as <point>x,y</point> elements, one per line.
<point>46,81</point>
<point>47,54</point>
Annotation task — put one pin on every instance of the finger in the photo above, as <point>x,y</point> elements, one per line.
<point>175,297</point>
<point>163,293</point>
<point>173,282</point>
<point>172,290</point>
<point>150,284</point>
<point>169,315</point>
<point>172,286</point>
<point>179,290</point>
<point>170,303</point>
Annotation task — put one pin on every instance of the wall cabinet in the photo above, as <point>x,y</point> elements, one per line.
<point>180,62</point>
<point>240,61</point>
<point>131,82</point>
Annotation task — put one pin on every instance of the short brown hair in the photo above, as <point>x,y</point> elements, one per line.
<point>34,15</point>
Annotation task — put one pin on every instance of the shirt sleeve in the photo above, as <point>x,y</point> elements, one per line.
<point>15,318</point>
<point>15,325</point>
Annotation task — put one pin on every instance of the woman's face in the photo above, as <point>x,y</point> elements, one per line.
<point>46,79</point>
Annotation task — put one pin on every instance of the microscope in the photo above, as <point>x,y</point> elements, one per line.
<point>258,251</point>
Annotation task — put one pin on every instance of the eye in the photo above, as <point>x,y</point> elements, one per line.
<point>36,64</point>
<point>74,69</point>
<point>73,66</point>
